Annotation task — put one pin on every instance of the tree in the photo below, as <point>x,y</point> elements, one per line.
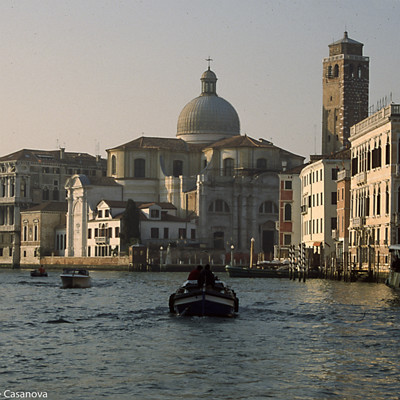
<point>130,229</point>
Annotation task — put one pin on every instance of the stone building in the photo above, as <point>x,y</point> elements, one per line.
<point>227,180</point>
<point>30,177</point>
<point>345,84</point>
<point>41,228</point>
<point>375,188</point>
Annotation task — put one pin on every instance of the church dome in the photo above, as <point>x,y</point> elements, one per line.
<point>208,118</point>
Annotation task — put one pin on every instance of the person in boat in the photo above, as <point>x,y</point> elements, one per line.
<point>195,274</point>
<point>206,277</point>
<point>41,270</point>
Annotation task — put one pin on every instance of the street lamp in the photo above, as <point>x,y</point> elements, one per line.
<point>232,248</point>
<point>161,250</point>
<point>251,251</point>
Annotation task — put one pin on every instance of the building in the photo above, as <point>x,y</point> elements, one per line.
<point>289,224</point>
<point>30,177</point>
<point>319,201</point>
<point>42,232</point>
<point>375,188</point>
<point>227,180</point>
<point>345,85</point>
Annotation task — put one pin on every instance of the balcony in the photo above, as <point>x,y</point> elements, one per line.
<point>335,234</point>
<point>361,178</point>
<point>102,240</point>
<point>304,209</point>
<point>358,222</point>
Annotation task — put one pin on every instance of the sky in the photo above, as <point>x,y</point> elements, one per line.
<point>90,75</point>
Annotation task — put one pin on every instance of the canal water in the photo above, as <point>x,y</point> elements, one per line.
<point>116,340</point>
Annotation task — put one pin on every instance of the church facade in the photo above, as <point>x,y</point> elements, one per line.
<point>227,182</point>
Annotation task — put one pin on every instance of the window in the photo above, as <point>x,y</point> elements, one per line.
<point>182,233</point>
<point>359,71</point>
<point>387,155</point>
<point>140,168</point>
<point>261,163</point>
<point>268,207</point>
<point>219,206</point>
<point>106,213</point>
<point>334,174</point>
<point>287,240</point>
<point>166,233</point>
<point>288,212</point>
<point>155,213</point>
<point>336,70</point>
<point>25,233</point>
<point>89,234</point>
<point>56,195</point>
<point>228,167</point>
<point>333,198</point>
<point>219,240</point>
<point>113,165</point>
<point>193,234</point>
<point>288,185</point>
<point>45,194</point>
<point>333,223</point>
<point>154,233</point>
<point>117,231</point>
<point>35,236</point>
<point>100,213</point>
<point>177,168</point>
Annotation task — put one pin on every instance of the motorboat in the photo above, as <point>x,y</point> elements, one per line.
<point>38,273</point>
<point>247,272</point>
<point>211,300</point>
<point>75,278</point>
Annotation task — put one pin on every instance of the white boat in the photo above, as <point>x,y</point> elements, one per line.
<point>216,300</point>
<point>75,278</point>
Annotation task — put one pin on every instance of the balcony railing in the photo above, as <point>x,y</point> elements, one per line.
<point>102,240</point>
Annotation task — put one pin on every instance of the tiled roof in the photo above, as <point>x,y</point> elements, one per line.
<point>159,143</point>
<point>58,206</point>
<point>50,156</point>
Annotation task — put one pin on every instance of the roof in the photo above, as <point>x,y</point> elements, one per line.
<point>163,205</point>
<point>158,143</point>
<point>294,170</point>
<point>59,156</point>
<point>345,39</point>
<point>49,206</point>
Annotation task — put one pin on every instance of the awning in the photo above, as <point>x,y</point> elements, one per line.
<point>317,244</point>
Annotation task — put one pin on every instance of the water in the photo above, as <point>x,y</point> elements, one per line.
<point>291,340</point>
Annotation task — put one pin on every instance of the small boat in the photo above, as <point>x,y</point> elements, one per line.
<point>246,272</point>
<point>393,279</point>
<point>37,273</point>
<point>217,300</point>
<point>75,278</point>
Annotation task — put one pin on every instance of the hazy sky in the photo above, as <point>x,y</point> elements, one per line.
<point>91,75</point>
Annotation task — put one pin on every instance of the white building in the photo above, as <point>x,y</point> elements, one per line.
<point>375,188</point>
<point>319,201</point>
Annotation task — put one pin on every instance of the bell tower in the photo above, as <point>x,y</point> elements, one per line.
<point>345,91</point>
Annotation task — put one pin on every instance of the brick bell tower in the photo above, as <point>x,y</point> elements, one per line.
<point>345,88</point>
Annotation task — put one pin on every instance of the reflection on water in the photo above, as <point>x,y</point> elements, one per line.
<point>291,340</point>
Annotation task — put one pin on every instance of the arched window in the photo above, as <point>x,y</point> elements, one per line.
<point>387,199</point>
<point>268,207</point>
<point>351,71</point>
<point>113,165</point>
<point>218,206</point>
<point>288,212</point>
<point>140,168</point>
<point>378,202</point>
<point>228,167</point>
<point>387,155</point>
<point>177,168</point>
<point>261,163</point>
<point>336,71</point>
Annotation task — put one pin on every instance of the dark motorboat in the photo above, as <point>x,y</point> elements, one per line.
<point>75,278</point>
<point>217,300</point>
<point>37,273</point>
<point>246,272</point>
